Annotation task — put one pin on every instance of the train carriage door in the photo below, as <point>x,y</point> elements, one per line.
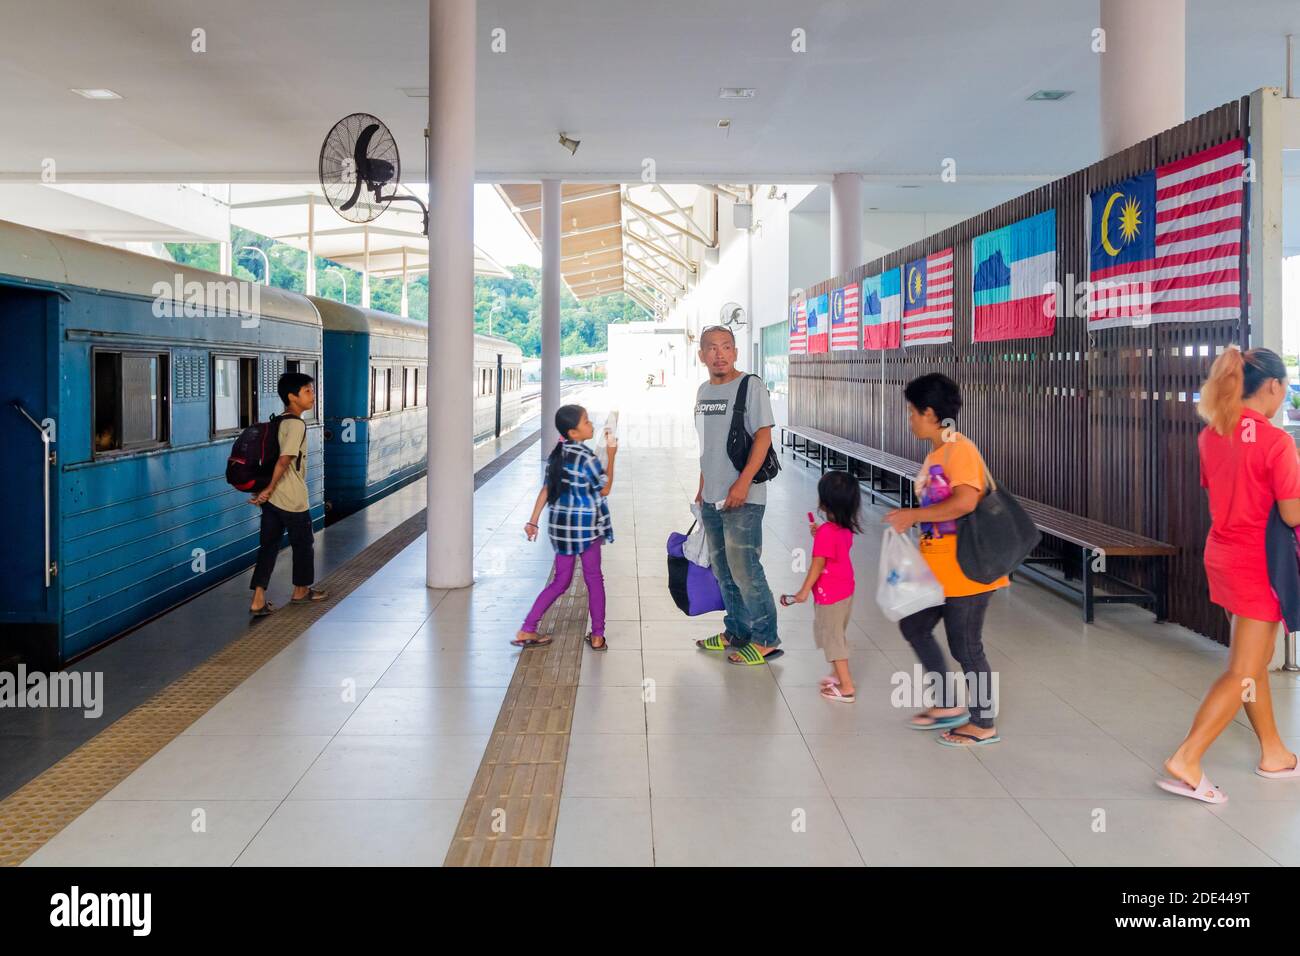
<point>29,435</point>
<point>499,382</point>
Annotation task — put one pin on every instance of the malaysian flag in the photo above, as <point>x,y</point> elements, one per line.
<point>1165,246</point>
<point>798,329</point>
<point>844,318</point>
<point>927,299</point>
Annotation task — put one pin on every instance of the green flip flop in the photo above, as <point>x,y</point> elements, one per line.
<point>751,656</point>
<point>718,642</point>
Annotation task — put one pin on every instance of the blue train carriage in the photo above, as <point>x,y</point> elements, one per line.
<point>376,423</point>
<point>498,384</point>
<point>124,380</point>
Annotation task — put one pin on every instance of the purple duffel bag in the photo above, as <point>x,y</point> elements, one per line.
<point>694,588</point>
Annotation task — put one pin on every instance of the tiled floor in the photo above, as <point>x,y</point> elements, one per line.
<point>358,744</point>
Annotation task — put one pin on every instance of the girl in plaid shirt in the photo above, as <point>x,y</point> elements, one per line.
<point>575,488</point>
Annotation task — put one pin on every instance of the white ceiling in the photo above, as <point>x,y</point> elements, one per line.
<point>885,87</point>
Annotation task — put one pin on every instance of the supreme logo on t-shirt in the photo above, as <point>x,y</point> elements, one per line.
<point>717,407</point>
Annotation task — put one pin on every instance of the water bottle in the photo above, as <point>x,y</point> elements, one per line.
<point>937,489</point>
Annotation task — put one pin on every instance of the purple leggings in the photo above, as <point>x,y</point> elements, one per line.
<point>560,583</point>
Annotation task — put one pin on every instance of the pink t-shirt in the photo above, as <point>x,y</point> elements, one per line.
<point>836,582</point>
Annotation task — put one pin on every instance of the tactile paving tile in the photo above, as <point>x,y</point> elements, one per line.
<point>514,802</point>
<point>36,811</point>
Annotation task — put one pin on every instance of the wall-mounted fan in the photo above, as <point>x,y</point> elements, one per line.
<point>358,161</point>
<point>733,313</point>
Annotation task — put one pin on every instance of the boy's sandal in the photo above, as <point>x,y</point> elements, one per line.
<point>604,642</point>
<point>946,739</point>
<point>531,641</point>
<point>312,596</point>
<point>718,642</point>
<point>832,692</point>
<point>750,656</point>
<point>262,611</point>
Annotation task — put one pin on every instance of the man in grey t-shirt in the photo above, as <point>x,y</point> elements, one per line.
<point>732,505</point>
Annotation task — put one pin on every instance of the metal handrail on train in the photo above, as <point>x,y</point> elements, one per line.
<point>45,473</point>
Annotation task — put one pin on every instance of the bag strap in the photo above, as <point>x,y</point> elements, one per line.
<point>739,408</point>
<point>989,483</point>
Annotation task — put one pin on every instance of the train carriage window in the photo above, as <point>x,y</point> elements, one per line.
<point>131,393</point>
<point>307,367</point>
<point>378,390</point>
<point>395,394</point>
<point>421,385</point>
<point>234,393</point>
<point>408,385</point>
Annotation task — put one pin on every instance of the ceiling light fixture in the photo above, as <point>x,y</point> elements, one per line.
<point>570,144</point>
<point>737,93</point>
<point>99,94</point>
<point>1050,94</point>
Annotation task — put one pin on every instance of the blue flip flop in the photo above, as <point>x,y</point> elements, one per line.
<point>975,741</point>
<point>941,723</point>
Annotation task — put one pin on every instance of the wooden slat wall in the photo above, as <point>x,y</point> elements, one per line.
<point>1101,424</point>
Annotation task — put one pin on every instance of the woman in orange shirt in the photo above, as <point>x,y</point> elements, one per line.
<point>933,402</point>
<point>1247,465</point>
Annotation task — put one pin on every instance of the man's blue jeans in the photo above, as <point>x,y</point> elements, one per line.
<point>735,537</point>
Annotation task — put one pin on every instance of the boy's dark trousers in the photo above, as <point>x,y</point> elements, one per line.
<point>275,522</point>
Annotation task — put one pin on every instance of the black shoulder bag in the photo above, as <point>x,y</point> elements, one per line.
<point>740,442</point>
<point>994,538</point>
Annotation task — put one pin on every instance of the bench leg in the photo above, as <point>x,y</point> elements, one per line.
<point>1086,571</point>
<point>1160,588</point>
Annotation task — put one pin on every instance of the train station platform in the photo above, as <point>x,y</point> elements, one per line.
<point>401,728</point>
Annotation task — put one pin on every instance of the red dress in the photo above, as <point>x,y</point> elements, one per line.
<point>1245,474</point>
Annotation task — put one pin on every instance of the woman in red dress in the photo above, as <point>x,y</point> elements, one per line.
<point>1247,465</point>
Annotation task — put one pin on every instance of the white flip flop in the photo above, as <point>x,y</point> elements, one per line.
<point>1204,791</point>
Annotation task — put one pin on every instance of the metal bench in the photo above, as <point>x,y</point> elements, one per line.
<point>1095,541</point>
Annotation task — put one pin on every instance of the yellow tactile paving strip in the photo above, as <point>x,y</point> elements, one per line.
<point>35,812</point>
<point>510,816</point>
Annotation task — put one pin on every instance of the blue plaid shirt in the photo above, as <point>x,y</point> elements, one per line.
<point>580,515</point>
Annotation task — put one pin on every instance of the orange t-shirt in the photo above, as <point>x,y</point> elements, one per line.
<point>961,464</point>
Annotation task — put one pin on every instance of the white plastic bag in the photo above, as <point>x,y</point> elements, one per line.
<point>907,584</point>
<point>696,547</point>
<point>607,437</point>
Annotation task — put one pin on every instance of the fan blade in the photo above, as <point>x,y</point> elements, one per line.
<point>359,154</point>
<point>352,200</point>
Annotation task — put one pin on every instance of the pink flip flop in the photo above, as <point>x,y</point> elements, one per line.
<point>1292,774</point>
<point>827,681</point>
<point>1205,791</point>
<point>832,692</point>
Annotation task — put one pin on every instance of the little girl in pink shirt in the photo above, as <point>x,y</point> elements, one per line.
<point>830,579</point>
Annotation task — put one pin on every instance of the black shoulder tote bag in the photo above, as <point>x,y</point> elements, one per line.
<point>994,538</point>
<point>740,443</point>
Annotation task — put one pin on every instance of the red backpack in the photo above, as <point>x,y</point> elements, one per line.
<point>254,454</point>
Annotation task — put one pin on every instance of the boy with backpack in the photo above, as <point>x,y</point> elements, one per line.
<point>283,498</point>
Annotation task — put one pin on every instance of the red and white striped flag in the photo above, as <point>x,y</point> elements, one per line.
<point>927,299</point>
<point>1165,246</point>
<point>844,317</point>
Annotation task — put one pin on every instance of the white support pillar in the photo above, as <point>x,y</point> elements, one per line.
<point>552,211</point>
<point>311,245</point>
<point>1143,70</point>
<point>846,222</point>
<point>406,310</point>
<point>226,266</point>
<point>365,269</point>
<point>449,561</point>
<point>1265,282</point>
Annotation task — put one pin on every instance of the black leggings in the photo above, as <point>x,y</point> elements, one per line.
<point>275,522</point>
<point>963,621</point>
